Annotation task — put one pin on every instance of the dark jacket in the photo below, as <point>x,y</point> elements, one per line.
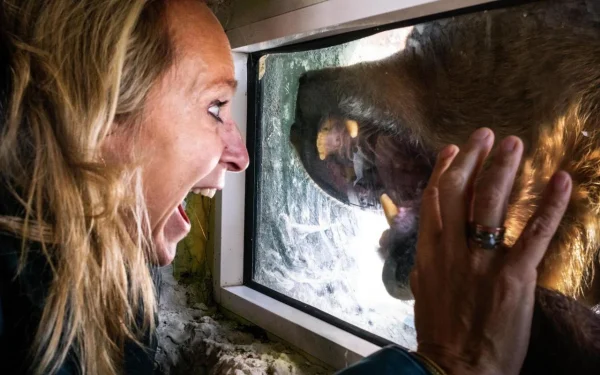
<point>21,303</point>
<point>391,360</point>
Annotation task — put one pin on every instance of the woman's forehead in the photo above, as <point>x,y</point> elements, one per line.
<point>200,42</point>
<point>193,25</point>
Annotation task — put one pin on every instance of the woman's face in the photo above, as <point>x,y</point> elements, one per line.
<point>188,139</point>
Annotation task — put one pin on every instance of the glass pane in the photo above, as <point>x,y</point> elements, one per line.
<point>309,246</point>
<point>337,132</point>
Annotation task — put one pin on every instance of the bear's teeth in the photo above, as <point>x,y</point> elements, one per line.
<point>389,208</point>
<point>352,127</point>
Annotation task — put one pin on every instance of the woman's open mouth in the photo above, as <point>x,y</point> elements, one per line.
<point>182,213</point>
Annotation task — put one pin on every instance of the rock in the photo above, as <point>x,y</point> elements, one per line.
<point>200,306</point>
<point>192,343</point>
<point>282,367</point>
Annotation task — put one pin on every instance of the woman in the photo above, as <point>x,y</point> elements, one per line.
<point>111,113</point>
<point>116,110</point>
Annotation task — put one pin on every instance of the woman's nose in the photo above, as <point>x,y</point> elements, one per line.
<point>235,154</point>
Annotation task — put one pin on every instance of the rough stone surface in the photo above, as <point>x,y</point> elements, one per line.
<point>195,339</point>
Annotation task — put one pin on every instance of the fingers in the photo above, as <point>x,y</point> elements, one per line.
<point>445,157</point>
<point>455,182</point>
<point>532,245</point>
<point>493,189</point>
<point>413,281</point>
<point>430,223</point>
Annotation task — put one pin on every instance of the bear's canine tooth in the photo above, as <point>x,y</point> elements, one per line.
<point>389,208</point>
<point>352,127</point>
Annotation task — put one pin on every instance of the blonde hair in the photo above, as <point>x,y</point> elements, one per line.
<point>79,69</point>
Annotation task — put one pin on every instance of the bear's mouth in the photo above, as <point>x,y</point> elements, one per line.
<point>362,166</point>
<point>356,164</point>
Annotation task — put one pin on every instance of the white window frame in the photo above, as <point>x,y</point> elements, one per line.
<point>329,344</point>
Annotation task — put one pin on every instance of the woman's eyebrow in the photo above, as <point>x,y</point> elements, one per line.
<point>224,82</point>
<point>232,83</point>
<point>198,86</point>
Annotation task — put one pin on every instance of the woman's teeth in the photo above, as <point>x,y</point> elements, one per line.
<point>205,192</point>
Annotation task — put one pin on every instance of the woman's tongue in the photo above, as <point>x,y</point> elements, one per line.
<point>177,225</point>
<point>181,211</point>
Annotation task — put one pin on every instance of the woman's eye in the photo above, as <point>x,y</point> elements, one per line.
<point>215,110</point>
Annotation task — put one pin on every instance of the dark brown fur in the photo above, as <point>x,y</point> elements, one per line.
<point>565,337</point>
<point>531,71</point>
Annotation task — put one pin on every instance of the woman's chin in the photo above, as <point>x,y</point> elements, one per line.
<point>165,252</point>
<point>174,229</point>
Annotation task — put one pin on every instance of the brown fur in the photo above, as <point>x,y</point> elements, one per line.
<point>565,337</point>
<point>531,71</point>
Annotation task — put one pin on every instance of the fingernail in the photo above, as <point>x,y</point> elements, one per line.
<point>561,181</point>
<point>447,152</point>
<point>481,134</point>
<point>509,144</point>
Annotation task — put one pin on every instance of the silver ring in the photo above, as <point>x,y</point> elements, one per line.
<point>488,238</point>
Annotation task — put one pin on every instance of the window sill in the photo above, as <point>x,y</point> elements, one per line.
<point>331,345</point>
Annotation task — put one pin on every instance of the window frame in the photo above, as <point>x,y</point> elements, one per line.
<point>316,333</point>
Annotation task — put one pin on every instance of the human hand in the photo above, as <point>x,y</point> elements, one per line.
<point>474,306</point>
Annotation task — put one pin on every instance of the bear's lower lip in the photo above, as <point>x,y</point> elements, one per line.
<point>398,246</point>
<point>399,289</point>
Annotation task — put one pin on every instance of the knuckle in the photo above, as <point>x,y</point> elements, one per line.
<point>542,226</point>
<point>453,179</point>
<point>491,198</point>
<point>508,285</point>
<point>511,279</point>
<point>507,276</point>
<point>430,193</point>
<point>512,275</point>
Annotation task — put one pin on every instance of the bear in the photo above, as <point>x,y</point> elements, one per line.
<point>370,131</point>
